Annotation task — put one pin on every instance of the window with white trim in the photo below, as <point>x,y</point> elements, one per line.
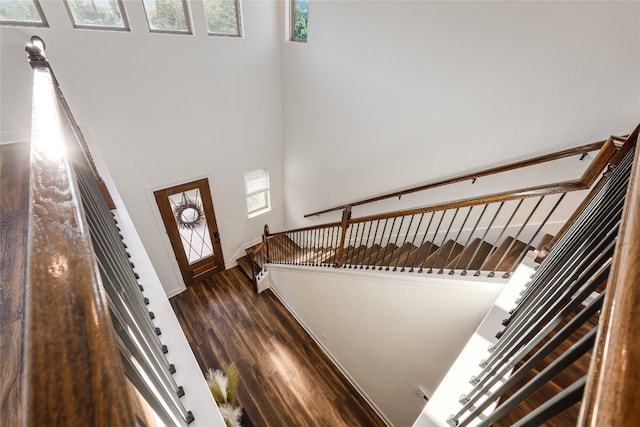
<point>223,17</point>
<point>299,20</point>
<point>22,12</point>
<point>256,187</point>
<point>168,16</point>
<point>97,14</point>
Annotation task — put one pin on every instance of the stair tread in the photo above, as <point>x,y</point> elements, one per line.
<point>393,258</point>
<point>499,262</point>
<point>477,255</point>
<point>472,256</point>
<point>245,266</point>
<point>438,259</point>
<point>418,257</point>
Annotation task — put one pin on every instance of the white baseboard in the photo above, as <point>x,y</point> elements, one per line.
<point>335,361</point>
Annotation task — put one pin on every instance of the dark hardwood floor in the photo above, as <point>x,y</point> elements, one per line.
<point>14,205</point>
<point>285,378</point>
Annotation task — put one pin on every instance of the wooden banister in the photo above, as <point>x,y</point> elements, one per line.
<point>74,375</point>
<point>612,158</point>
<point>614,377</point>
<point>607,154</point>
<point>604,147</point>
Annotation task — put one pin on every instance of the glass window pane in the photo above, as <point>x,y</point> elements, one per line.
<point>97,13</point>
<point>222,17</point>
<point>21,11</point>
<point>167,16</point>
<point>256,181</point>
<point>257,202</point>
<point>256,185</point>
<point>299,20</point>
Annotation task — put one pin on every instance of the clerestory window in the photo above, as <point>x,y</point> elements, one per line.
<point>256,186</point>
<point>168,16</point>
<point>224,17</point>
<point>26,13</point>
<point>299,20</point>
<point>97,14</point>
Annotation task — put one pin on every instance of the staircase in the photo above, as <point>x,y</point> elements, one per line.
<point>478,255</point>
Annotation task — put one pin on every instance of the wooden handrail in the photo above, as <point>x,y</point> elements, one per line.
<point>628,144</point>
<point>614,376</point>
<point>485,172</point>
<point>606,155</point>
<point>73,372</point>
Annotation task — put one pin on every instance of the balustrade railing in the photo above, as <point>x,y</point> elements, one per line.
<point>602,147</point>
<point>490,234</point>
<point>93,355</point>
<point>536,373</point>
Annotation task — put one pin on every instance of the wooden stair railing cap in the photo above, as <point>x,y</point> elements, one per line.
<point>611,393</point>
<point>73,372</point>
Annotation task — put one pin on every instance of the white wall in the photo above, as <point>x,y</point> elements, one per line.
<point>163,109</point>
<point>197,398</point>
<point>389,333</point>
<point>390,94</point>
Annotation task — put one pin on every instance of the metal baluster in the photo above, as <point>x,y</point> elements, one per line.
<point>375,235</point>
<point>325,231</point>
<point>159,406</point>
<point>570,249</point>
<point>424,237</point>
<point>589,215</point>
<point>484,236</point>
<point>413,240</point>
<point>435,234</point>
<point>579,258</point>
<point>355,243</point>
<point>395,243</point>
<point>542,224</point>
<point>362,246</point>
<point>366,246</point>
<point>470,401</point>
<point>375,261</point>
<point>582,259</point>
<point>335,245</point>
<point>513,214</point>
<point>110,248</point>
<point>456,240</point>
<point>515,239</point>
<point>136,341</point>
<point>475,252</point>
<point>127,345</point>
<point>404,242</point>
<point>444,240</point>
<point>558,403</point>
<point>587,281</point>
<point>386,248</point>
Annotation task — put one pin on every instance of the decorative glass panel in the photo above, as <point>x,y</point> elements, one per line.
<point>192,225</point>
<point>223,17</point>
<point>167,16</point>
<point>299,20</point>
<point>21,12</point>
<point>97,14</point>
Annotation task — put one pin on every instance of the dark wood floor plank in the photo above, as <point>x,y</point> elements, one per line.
<point>285,378</point>
<point>14,206</point>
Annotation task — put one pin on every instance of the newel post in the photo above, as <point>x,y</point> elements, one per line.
<point>346,216</point>
<point>265,239</point>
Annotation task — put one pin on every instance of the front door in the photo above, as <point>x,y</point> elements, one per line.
<point>190,222</point>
